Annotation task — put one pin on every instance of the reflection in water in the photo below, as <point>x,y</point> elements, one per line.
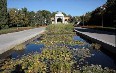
<point>98,57</point>
<point>77,38</point>
<point>85,45</point>
<point>30,48</point>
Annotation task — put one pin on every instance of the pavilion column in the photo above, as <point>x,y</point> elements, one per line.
<point>63,19</point>
<point>55,20</point>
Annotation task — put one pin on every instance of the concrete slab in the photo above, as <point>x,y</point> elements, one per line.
<point>8,41</point>
<point>98,35</point>
<point>106,39</point>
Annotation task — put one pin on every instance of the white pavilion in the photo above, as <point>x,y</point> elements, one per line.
<point>59,18</point>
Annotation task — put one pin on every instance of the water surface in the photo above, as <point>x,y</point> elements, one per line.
<point>30,48</point>
<point>97,57</point>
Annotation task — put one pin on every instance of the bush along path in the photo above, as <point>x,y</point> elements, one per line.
<point>58,55</point>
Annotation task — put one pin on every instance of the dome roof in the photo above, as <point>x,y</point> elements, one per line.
<point>59,14</point>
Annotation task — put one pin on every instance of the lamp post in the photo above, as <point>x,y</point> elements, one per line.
<point>45,21</point>
<point>34,20</point>
<point>83,19</point>
<point>103,8</point>
<point>17,13</point>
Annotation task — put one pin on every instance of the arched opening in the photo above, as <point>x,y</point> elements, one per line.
<point>59,20</point>
<point>65,19</point>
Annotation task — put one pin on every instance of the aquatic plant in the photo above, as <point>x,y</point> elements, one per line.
<point>60,29</point>
<point>66,39</point>
<point>57,56</point>
<point>83,53</point>
<point>58,59</point>
<point>96,46</point>
<point>19,47</point>
<point>28,64</point>
<point>96,69</point>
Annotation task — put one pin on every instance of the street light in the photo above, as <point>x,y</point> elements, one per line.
<point>103,8</point>
<point>17,14</point>
<point>18,9</point>
<point>83,19</point>
<point>45,21</point>
<point>34,20</point>
<point>18,23</point>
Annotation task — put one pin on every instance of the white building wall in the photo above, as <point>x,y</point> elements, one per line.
<point>59,15</point>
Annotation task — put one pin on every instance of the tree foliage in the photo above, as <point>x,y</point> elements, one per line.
<point>108,14</point>
<point>32,18</point>
<point>42,17</point>
<point>22,17</point>
<point>3,13</point>
<point>18,17</point>
<point>53,13</point>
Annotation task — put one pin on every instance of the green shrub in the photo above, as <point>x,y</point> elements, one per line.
<point>4,26</point>
<point>59,29</point>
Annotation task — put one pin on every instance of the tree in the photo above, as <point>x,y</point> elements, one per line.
<point>13,17</point>
<point>3,13</point>
<point>108,15</point>
<point>64,14</point>
<point>53,14</point>
<point>18,17</point>
<point>32,18</point>
<point>87,17</point>
<point>39,19</point>
<point>73,19</point>
<point>24,16</point>
<point>47,16</point>
<point>43,17</point>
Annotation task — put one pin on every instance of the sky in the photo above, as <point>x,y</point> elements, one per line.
<point>72,7</point>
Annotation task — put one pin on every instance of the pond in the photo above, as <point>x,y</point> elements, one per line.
<point>30,48</point>
<point>97,57</point>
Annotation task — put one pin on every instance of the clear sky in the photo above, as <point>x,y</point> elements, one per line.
<point>72,7</point>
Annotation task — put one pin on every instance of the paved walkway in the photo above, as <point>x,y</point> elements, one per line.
<point>102,36</point>
<point>8,41</point>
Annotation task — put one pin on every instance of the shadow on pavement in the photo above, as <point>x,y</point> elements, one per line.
<point>95,31</point>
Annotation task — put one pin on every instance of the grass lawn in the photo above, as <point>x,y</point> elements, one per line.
<point>108,29</point>
<point>98,27</point>
<point>10,30</point>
